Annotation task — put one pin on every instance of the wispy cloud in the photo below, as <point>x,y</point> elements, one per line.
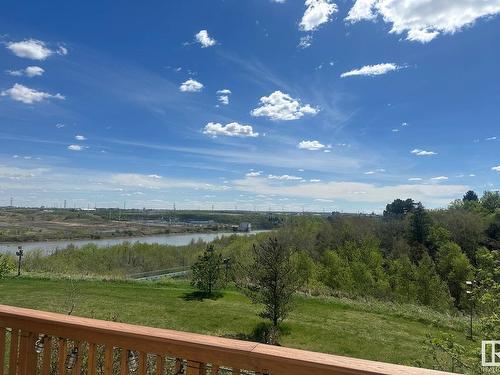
<point>26,95</point>
<point>420,152</point>
<point>372,70</point>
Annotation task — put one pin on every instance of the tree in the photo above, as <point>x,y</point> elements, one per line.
<point>399,207</point>
<point>490,200</point>
<point>272,280</point>
<point>207,271</point>
<point>470,196</point>
<point>454,267</point>
<point>420,225</point>
<point>431,290</point>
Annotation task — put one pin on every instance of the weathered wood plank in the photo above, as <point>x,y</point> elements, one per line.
<point>47,356</point>
<point>91,359</point>
<point>14,347</point>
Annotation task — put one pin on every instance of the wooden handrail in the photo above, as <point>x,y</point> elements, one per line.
<point>197,351</point>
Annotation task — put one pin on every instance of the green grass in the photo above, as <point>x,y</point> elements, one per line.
<point>378,331</point>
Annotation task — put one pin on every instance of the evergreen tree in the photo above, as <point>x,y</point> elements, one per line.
<point>207,271</point>
<point>272,280</point>
<point>470,196</point>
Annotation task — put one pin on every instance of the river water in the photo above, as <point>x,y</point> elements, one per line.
<point>163,239</point>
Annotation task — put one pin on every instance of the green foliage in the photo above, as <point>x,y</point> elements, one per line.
<point>431,290</point>
<point>207,272</point>
<point>6,265</point>
<point>272,280</point>
<point>470,196</point>
<point>420,225</point>
<point>491,201</point>
<point>454,267</point>
<point>399,207</point>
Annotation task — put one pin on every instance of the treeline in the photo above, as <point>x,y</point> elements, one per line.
<point>117,261</point>
<point>410,254</point>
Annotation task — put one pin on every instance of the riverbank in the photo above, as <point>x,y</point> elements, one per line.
<point>180,239</point>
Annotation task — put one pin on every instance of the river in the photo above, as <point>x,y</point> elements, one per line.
<point>162,239</point>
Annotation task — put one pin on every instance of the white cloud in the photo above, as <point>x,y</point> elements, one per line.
<point>491,139</point>
<point>191,86</point>
<point>232,129</point>
<point>253,174</point>
<point>223,96</point>
<point>404,124</point>
<point>280,106</point>
<point>361,10</point>
<point>79,137</point>
<point>63,51</point>
<point>76,148</point>
<point>420,152</point>
<point>283,177</point>
<point>497,168</point>
<point>314,180</point>
<point>311,145</point>
<point>439,178</point>
<point>60,126</point>
<point>395,130</point>
<point>305,41</point>
<point>379,170</point>
<point>204,39</point>
<point>317,13</point>
<point>414,179</point>
<point>30,49</point>
<point>26,95</point>
<point>372,70</point>
<point>30,71</point>
<point>423,21</point>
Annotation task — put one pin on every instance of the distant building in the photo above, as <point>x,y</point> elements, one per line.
<point>245,227</point>
<point>202,223</point>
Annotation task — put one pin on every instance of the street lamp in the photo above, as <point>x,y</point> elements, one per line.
<point>20,254</point>
<point>470,285</point>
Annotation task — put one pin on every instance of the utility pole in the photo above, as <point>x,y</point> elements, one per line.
<point>20,254</point>
<point>65,204</point>
<point>11,202</point>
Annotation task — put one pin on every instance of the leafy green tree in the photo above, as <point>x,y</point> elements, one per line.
<point>272,280</point>
<point>6,265</point>
<point>470,196</point>
<point>207,271</point>
<point>337,273</point>
<point>399,207</point>
<point>431,290</point>
<point>490,200</point>
<point>454,267</point>
<point>402,278</point>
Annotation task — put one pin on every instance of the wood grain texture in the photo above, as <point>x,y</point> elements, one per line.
<point>142,370</point>
<point>2,350</point>
<point>160,365</point>
<point>14,346</point>
<point>62,352</point>
<point>47,356</point>
<point>197,348</point>
<point>108,360</point>
<point>91,359</point>
<point>123,362</point>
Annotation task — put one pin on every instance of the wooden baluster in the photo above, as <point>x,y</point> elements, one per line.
<point>77,370</point>
<point>22,361</point>
<point>14,341</point>
<point>32,355</point>
<point>2,349</point>
<point>214,370</point>
<point>142,363</point>
<point>236,371</point>
<point>47,356</point>
<point>123,362</point>
<point>160,365</point>
<point>91,360</point>
<point>195,368</point>
<point>108,360</point>
<point>62,352</point>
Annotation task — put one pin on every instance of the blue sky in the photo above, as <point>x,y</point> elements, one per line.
<point>293,104</point>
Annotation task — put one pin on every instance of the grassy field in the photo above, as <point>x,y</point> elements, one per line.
<point>373,331</point>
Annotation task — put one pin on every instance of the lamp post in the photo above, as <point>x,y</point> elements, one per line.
<point>20,254</point>
<point>470,292</point>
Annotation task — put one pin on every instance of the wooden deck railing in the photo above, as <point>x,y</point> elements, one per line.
<point>38,342</point>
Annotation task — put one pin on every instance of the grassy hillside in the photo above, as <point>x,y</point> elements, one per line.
<point>376,331</point>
